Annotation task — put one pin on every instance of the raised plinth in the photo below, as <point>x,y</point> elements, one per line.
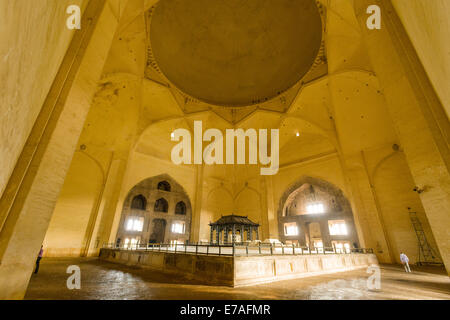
<point>238,271</point>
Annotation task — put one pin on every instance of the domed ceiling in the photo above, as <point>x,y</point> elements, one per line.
<point>235,52</point>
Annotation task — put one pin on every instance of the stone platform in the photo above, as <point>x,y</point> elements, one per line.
<point>237,271</point>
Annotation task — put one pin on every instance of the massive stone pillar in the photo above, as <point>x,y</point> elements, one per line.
<point>417,113</point>
<point>303,232</point>
<point>197,209</point>
<point>325,233</point>
<point>28,201</point>
<point>103,228</point>
<point>368,206</point>
<point>264,223</point>
<point>272,218</point>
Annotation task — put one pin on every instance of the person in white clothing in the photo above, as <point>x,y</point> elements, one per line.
<point>404,259</point>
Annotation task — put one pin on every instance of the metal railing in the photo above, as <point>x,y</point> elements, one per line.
<point>238,249</point>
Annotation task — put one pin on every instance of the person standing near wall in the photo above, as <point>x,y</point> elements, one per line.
<point>38,260</point>
<point>405,261</point>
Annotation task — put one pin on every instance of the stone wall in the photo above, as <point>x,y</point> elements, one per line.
<point>66,235</point>
<point>428,27</point>
<point>262,269</point>
<point>292,209</point>
<point>34,42</point>
<point>148,189</point>
<point>207,269</point>
<point>239,271</point>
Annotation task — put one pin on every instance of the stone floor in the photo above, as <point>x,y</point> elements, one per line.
<point>103,280</point>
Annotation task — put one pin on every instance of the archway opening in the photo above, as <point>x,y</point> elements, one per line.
<point>161,205</point>
<point>315,213</point>
<point>164,186</point>
<point>180,208</point>
<point>139,202</point>
<point>161,218</point>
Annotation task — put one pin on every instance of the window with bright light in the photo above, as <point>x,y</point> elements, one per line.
<point>178,227</point>
<point>318,243</point>
<point>341,246</point>
<point>315,208</point>
<point>135,224</point>
<point>130,243</point>
<point>291,229</point>
<point>337,228</point>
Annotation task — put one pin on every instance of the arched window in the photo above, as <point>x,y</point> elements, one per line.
<point>164,185</point>
<point>180,208</point>
<point>139,202</point>
<point>161,205</point>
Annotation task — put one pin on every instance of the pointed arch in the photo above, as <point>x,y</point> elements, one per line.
<point>180,208</point>
<point>139,202</point>
<point>164,186</point>
<point>161,205</point>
